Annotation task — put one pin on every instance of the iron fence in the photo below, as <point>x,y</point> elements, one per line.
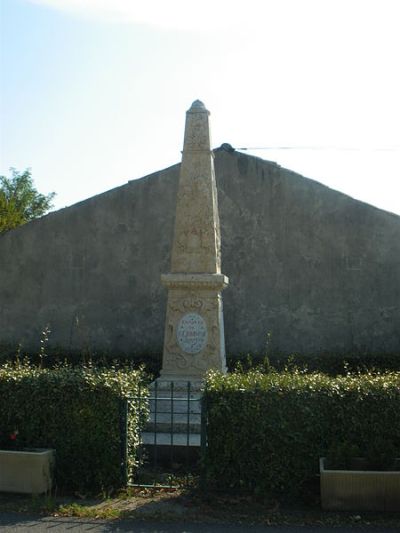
<point>173,436</point>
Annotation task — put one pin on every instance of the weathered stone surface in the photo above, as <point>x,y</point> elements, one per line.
<point>318,269</point>
<point>194,329</point>
<point>197,239</point>
<point>180,364</point>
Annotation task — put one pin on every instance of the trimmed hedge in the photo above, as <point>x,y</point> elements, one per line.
<point>55,356</point>
<point>266,432</point>
<point>328,363</point>
<point>77,412</point>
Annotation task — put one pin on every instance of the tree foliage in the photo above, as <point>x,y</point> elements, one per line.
<point>20,202</point>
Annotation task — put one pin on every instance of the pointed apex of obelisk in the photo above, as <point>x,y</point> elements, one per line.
<point>198,107</point>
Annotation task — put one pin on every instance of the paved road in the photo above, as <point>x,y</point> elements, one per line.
<point>20,523</point>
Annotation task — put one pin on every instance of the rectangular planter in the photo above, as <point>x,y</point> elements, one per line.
<point>358,490</point>
<point>26,471</point>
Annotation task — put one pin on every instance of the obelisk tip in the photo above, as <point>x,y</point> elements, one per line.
<point>198,106</point>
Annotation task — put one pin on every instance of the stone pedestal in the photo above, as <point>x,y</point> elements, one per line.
<point>194,329</point>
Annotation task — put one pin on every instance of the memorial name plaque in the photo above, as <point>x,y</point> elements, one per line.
<point>191,333</point>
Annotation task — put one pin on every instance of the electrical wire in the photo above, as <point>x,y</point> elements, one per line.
<point>338,148</point>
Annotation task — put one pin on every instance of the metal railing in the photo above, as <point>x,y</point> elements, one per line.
<point>173,439</point>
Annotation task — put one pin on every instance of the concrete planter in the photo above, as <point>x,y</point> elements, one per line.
<point>26,471</point>
<point>359,490</point>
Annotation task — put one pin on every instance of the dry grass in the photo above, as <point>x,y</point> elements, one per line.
<point>184,505</point>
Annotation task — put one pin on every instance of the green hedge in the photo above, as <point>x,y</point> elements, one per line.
<point>328,363</point>
<point>55,356</point>
<point>77,412</point>
<point>266,432</point>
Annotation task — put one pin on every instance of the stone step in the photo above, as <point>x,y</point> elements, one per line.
<point>175,418</point>
<point>166,405</point>
<point>174,410</point>
<point>165,422</point>
<point>176,428</point>
<point>164,439</point>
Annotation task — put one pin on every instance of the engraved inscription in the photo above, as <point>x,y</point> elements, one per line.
<point>191,333</point>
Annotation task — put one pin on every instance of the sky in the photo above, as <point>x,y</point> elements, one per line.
<point>93,93</point>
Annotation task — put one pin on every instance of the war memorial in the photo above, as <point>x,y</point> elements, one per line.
<point>139,270</point>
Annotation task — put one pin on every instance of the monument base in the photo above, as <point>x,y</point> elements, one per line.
<point>194,329</point>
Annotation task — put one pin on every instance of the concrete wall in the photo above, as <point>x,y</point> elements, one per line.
<point>314,267</point>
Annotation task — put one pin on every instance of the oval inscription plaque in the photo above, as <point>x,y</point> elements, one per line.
<point>191,333</point>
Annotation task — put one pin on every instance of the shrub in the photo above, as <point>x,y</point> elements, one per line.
<point>55,356</point>
<point>77,412</point>
<point>333,364</point>
<point>266,432</point>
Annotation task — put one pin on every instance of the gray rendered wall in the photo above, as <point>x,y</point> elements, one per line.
<point>317,269</point>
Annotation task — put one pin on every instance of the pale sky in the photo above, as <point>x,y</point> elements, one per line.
<point>94,92</point>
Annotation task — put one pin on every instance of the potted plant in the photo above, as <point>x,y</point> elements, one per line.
<point>25,470</point>
<point>361,480</point>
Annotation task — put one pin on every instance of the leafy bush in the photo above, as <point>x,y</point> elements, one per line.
<point>328,363</point>
<point>76,411</point>
<point>266,432</point>
<point>379,454</point>
<point>54,356</point>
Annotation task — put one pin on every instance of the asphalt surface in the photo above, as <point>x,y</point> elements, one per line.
<point>21,523</point>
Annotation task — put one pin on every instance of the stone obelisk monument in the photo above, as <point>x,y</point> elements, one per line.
<point>194,329</point>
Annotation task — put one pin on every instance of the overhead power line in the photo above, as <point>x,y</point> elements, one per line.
<point>338,148</point>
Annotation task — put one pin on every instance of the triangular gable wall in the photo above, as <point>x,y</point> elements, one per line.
<point>315,268</point>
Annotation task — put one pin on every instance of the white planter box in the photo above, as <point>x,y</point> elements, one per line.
<point>28,471</point>
<point>358,490</point>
